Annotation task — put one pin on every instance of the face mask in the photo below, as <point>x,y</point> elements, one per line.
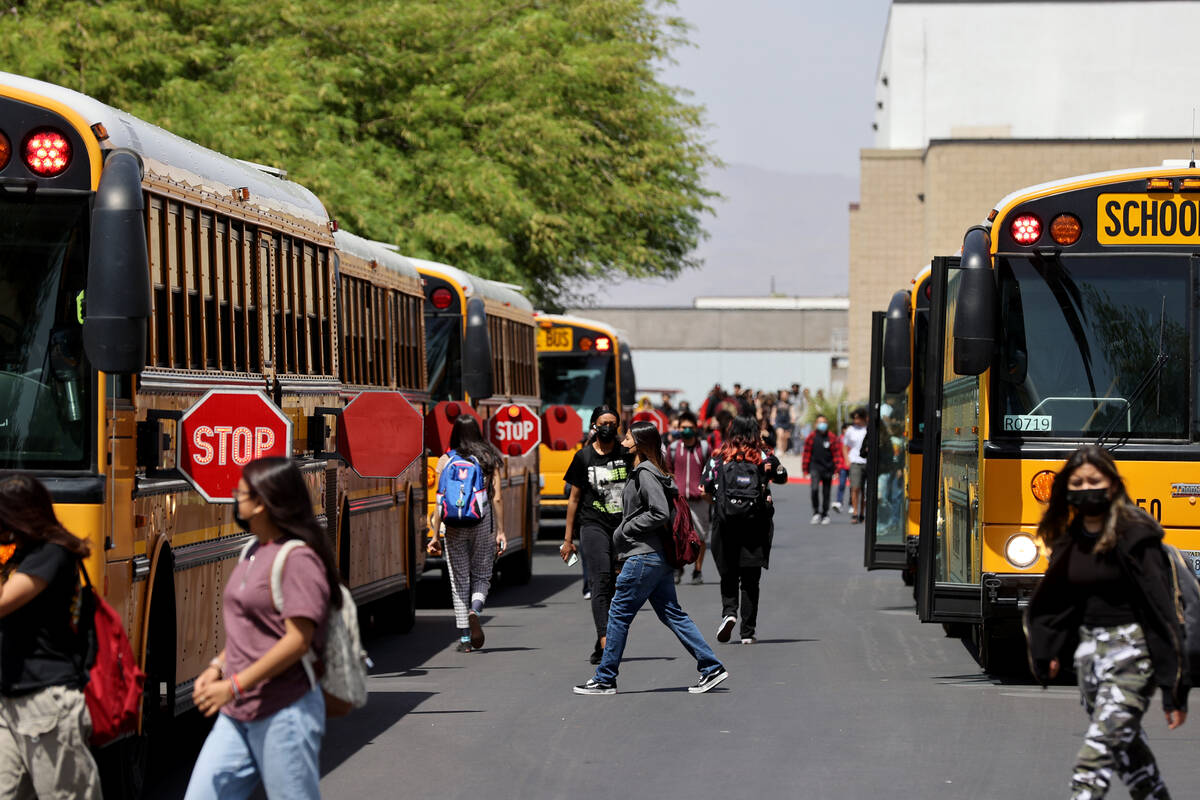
<point>606,433</point>
<point>687,433</point>
<point>1090,502</point>
<point>822,426</point>
<point>242,522</point>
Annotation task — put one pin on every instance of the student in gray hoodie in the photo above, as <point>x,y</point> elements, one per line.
<point>645,574</point>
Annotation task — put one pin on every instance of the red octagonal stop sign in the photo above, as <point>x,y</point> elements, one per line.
<point>224,431</point>
<point>655,417</point>
<point>380,434</point>
<point>514,429</point>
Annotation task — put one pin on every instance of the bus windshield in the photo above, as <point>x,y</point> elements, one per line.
<point>1078,336</point>
<point>580,380</point>
<point>443,352</point>
<point>45,386</point>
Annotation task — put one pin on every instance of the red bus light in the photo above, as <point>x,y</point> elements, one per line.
<point>603,343</point>
<point>5,151</point>
<point>1026,229</point>
<point>47,152</point>
<point>441,298</point>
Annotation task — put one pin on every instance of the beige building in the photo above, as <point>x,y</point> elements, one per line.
<point>916,204</point>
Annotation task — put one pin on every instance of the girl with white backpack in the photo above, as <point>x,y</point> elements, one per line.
<point>272,711</point>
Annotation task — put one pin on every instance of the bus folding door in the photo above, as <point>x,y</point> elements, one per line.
<point>887,455</point>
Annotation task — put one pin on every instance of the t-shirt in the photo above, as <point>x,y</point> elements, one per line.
<point>37,646</point>
<point>253,626</point>
<point>601,479</point>
<point>853,437</point>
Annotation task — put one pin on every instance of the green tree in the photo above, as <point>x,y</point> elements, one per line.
<point>527,141</point>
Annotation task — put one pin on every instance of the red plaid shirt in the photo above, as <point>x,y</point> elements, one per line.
<point>835,444</point>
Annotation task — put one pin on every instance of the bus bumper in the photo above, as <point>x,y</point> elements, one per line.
<point>1005,596</point>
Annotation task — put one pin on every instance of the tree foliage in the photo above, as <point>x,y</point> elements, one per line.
<point>526,140</point>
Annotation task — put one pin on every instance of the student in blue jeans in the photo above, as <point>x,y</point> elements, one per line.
<point>645,574</point>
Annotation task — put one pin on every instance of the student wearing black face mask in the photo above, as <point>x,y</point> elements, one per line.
<point>597,476</point>
<point>1107,598</point>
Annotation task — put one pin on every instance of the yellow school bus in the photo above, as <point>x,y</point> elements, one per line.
<point>583,363</point>
<point>892,494</point>
<point>481,355</point>
<point>138,273</point>
<point>1069,319</point>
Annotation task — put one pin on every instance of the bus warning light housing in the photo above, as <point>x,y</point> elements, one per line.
<point>47,152</point>
<point>1026,229</point>
<point>1066,229</point>
<point>1160,184</point>
<point>1041,485</point>
<point>441,298</point>
<point>603,344</point>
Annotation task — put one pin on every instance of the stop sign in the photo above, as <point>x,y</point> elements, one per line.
<point>654,416</point>
<point>224,431</point>
<point>380,434</point>
<point>514,429</point>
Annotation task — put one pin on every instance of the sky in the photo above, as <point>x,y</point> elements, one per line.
<point>788,87</point>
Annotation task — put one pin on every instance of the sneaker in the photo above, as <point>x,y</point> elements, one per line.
<point>835,506</point>
<point>726,629</point>
<point>707,681</point>
<point>749,640</point>
<point>815,518</point>
<point>464,647</point>
<point>594,686</point>
<point>678,576</point>
<point>476,630</point>
<point>825,520</point>
<point>697,577</point>
<point>587,595</point>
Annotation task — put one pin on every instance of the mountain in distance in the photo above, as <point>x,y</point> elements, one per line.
<point>792,229</point>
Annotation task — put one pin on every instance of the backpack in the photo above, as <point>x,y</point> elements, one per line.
<point>739,490</point>
<point>461,494</point>
<point>683,543</point>
<point>344,681</point>
<point>1186,590</point>
<point>115,681</point>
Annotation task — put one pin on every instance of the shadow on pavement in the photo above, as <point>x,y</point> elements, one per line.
<point>346,736</point>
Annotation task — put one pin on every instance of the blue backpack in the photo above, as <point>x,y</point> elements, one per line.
<point>461,494</point>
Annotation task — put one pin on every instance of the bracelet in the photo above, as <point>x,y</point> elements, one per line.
<point>236,685</point>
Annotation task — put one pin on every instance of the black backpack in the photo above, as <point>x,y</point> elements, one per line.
<point>739,490</point>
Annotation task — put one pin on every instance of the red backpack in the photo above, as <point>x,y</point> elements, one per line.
<point>115,683</point>
<point>683,546</point>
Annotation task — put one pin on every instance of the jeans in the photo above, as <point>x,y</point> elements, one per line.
<point>648,577</point>
<point>600,559</point>
<point>749,578</point>
<point>822,479</point>
<point>843,479</point>
<point>283,750</point>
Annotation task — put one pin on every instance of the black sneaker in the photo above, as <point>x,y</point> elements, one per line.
<point>726,629</point>
<point>697,577</point>
<point>594,686</point>
<point>708,681</point>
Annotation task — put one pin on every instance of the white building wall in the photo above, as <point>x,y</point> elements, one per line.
<point>695,371</point>
<point>1040,70</point>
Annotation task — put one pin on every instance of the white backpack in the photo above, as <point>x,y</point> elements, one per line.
<point>345,680</point>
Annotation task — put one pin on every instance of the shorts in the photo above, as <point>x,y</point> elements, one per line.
<point>701,521</point>
<point>44,746</point>
<point>857,474</point>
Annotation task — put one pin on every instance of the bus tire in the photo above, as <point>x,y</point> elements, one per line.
<point>1000,648</point>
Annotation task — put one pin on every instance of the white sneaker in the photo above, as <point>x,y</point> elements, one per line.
<point>835,506</point>
<point>815,519</point>
<point>824,520</point>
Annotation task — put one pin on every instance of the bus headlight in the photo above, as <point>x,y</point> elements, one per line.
<point>1021,550</point>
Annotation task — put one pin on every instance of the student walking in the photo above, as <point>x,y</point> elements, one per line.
<point>44,721</point>
<point>783,422</point>
<point>1108,598</point>
<point>843,474</point>
<point>743,523</point>
<point>687,457</point>
<point>472,539</point>
<point>852,441</point>
<point>645,574</point>
<point>271,714</point>
<point>822,460</point>
<point>597,476</point>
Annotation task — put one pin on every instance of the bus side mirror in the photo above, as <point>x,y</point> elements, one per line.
<point>897,352</point>
<point>118,280</point>
<point>975,310</point>
<point>628,380</point>
<point>477,353</point>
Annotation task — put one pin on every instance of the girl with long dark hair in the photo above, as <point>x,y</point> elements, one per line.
<point>272,716</point>
<point>645,573</point>
<point>597,476</point>
<point>1107,599</point>
<point>741,544</point>
<point>471,549</point>
<point>44,721</point>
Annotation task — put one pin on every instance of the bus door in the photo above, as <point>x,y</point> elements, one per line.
<point>948,588</point>
<point>887,454</point>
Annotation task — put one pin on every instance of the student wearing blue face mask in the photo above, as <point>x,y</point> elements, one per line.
<point>822,460</point>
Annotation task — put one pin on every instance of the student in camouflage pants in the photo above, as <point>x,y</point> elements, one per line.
<point>1116,684</point>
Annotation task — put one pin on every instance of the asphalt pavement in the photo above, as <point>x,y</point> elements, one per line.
<point>845,695</point>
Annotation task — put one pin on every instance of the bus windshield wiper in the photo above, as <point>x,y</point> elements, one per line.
<point>1152,375</point>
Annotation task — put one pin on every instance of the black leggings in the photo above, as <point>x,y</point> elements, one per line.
<point>600,558</point>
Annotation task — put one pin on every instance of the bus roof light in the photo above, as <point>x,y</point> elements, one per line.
<point>1066,229</point>
<point>441,298</point>
<point>5,151</point>
<point>1189,185</point>
<point>603,343</point>
<point>1160,184</point>
<point>47,152</point>
<point>1026,229</point>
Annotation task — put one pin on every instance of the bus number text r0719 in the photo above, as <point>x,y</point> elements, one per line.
<point>1028,423</point>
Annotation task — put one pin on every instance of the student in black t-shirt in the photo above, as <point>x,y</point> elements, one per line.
<point>597,477</point>
<point>44,722</point>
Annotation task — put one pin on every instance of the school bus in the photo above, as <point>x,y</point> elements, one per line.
<point>583,363</point>
<point>892,494</point>
<point>481,355</point>
<point>1069,319</point>
<point>139,272</point>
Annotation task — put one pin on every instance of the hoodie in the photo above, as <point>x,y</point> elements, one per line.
<point>647,512</point>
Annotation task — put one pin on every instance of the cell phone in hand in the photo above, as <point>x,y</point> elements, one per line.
<point>573,560</point>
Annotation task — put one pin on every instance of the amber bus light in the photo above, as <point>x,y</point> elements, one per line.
<point>1066,229</point>
<point>1041,485</point>
<point>5,151</point>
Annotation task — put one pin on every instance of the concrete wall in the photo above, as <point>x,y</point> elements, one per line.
<point>724,329</point>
